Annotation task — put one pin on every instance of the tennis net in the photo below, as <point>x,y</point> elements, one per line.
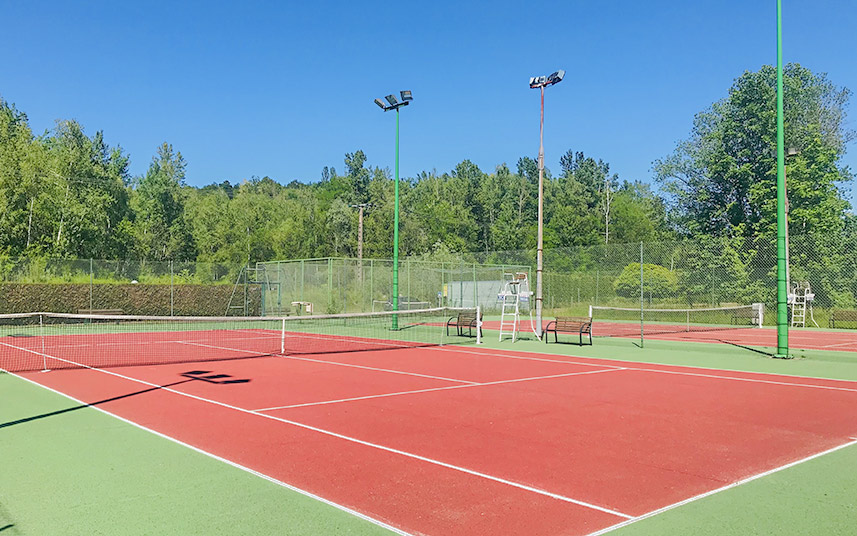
<point>626,321</point>
<point>46,341</point>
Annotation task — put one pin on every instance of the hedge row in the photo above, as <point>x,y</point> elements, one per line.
<point>134,299</point>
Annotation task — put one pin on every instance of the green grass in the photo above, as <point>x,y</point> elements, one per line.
<point>816,497</point>
<point>86,473</point>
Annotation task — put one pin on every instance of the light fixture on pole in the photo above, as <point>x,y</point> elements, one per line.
<point>541,82</point>
<point>393,104</point>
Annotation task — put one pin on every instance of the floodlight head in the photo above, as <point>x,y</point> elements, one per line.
<point>392,100</point>
<point>381,104</point>
<point>556,78</point>
<point>538,81</point>
<point>406,95</point>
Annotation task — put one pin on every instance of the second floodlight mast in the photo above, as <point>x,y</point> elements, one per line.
<point>541,82</point>
<point>393,104</point>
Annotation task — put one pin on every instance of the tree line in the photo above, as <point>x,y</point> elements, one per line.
<point>66,194</point>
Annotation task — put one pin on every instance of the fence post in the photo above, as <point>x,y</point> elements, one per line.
<point>91,276</point>
<point>596,287</point>
<point>302,280</point>
<point>329,284</point>
<point>475,290</point>
<point>171,287</point>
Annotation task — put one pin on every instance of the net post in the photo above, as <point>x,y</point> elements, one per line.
<point>283,337</point>
<point>478,324</point>
<point>590,311</point>
<point>760,307</point>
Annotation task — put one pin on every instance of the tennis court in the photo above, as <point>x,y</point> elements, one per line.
<point>419,438</point>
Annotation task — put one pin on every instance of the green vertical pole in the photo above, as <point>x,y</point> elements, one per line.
<point>371,282</point>
<point>302,280</point>
<point>642,297</point>
<point>396,231</point>
<point>172,288</point>
<point>408,264</point>
<point>91,277</point>
<point>782,290</point>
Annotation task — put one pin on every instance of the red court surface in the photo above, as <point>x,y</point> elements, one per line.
<point>472,441</point>
<point>843,340</point>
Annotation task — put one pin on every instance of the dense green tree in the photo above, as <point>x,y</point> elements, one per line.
<point>158,201</point>
<point>722,179</point>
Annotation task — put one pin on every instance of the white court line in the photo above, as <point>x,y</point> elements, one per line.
<point>852,343</point>
<point>752,380</point>
<point>718,490</point>
<point>342,364</point>
<point>355,440</point>
<point>246,469</point>
<point>416,391</point>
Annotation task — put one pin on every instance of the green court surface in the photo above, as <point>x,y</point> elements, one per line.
<point>86,472</point>
<point>83,472</point>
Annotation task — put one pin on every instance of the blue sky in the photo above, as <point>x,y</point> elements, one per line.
<point>285,88</point>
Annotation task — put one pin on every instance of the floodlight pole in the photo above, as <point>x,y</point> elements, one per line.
<point>541,82</point>
<point>393,104</point>
<point>782,223</point>
<point>540,239</point>
<point>396,231</point>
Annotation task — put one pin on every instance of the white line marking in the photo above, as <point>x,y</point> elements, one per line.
<point>416,391</point>
<point>749,380</point>
<point>814,386</point>
<point>228,462</point>
<point>852,343</point>
<point>718,490</point>
<point>461,350</point>
<point>364,443</point>
<point>391,371</point>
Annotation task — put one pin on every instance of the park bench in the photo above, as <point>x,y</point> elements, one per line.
<point>464,321</point>
<point>570,324</point>
<point>745,316</point>
<point>842,316</point>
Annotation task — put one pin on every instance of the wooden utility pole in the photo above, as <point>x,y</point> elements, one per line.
<point>361,207</point>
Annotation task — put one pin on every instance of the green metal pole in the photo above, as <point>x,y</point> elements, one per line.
<point>396,231</point>
<point>330,285</point>
<point>782,290</point>
<point>642,297</point>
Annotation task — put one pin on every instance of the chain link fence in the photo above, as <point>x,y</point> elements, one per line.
<point>705,272</point>
<point>343,285</point>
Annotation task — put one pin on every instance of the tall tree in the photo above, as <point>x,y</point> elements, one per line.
<point>722,180</point>
<point>159,201</point>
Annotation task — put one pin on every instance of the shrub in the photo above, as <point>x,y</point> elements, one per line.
<point>658,281</point>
